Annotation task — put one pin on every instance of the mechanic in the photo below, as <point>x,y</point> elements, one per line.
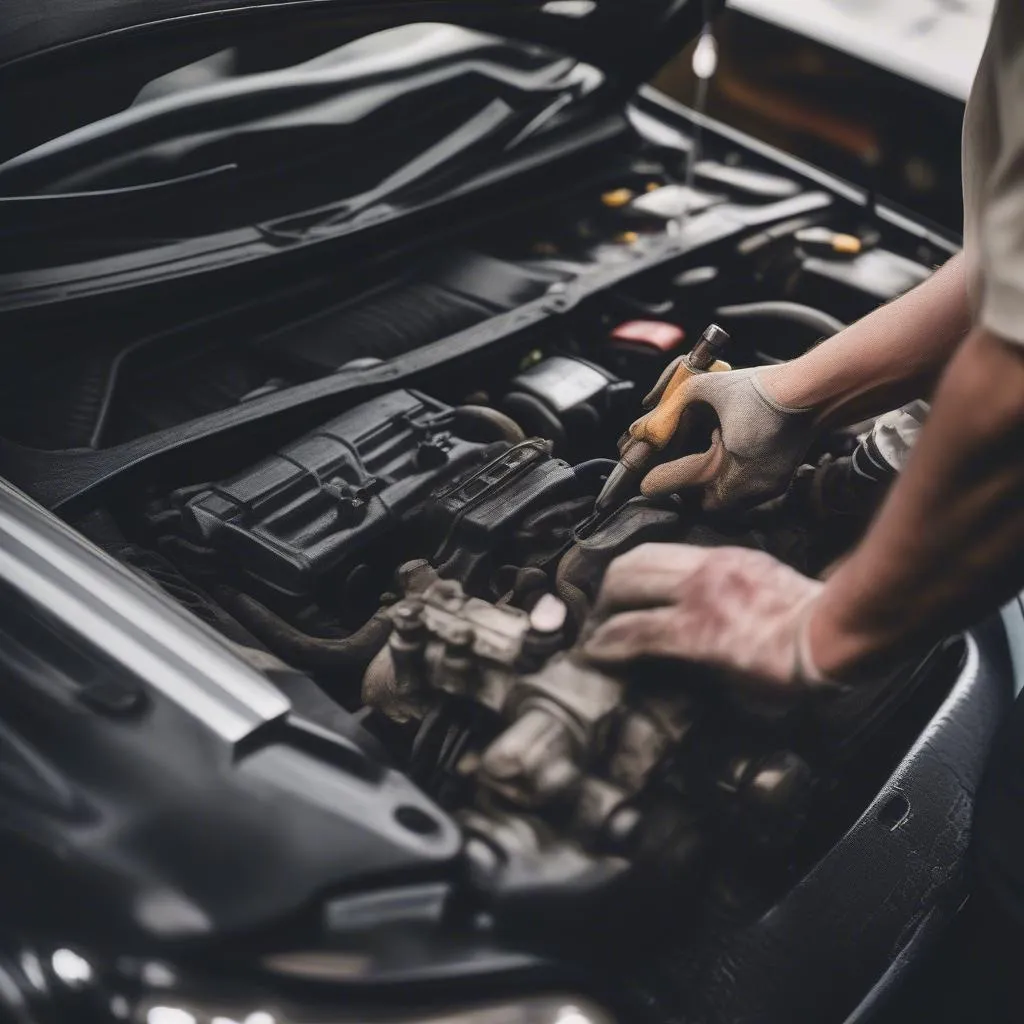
<point>947,547</point>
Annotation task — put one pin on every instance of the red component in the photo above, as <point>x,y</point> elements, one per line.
<point>655,334</point>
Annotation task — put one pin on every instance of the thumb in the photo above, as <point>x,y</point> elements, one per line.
<point>690,471</point>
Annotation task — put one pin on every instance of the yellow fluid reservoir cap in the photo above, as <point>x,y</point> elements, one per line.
<point>627,238</point>
<point>653,186</point>
<point>847,245</point>
<point>617,198</point>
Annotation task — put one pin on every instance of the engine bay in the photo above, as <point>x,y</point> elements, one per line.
<point>385,479</point>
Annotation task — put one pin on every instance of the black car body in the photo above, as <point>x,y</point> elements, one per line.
<point>283,289</point>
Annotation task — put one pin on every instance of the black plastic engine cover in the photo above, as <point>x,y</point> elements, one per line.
<point>457,290</point>
<point>517,510</point>
<point>497,496</point>
<point>307,510</point>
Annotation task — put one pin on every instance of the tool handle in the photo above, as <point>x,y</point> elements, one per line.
<point>661,424</point>
<point>639,447</point>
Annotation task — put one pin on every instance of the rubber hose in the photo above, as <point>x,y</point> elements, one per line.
<point>539,419</point>
<point>597,467</point>
<point>351,653</point>
<point>793,312</point>
<point>495,423</point>
<point>575,601</point>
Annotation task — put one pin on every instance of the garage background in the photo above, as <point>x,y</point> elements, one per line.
<point>873,90</point>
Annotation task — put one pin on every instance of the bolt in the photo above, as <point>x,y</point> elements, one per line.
<point>448,594</point>
<point>407,617</point>
<point>502,765</point>
<point>621,824</point>
<point>414,577</point>
<point>460,637</point>
<point>781,783</point>
<point>456,669</point>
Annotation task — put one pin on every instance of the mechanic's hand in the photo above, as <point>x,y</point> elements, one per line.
<point>734,609</point>
<point>755,448</point>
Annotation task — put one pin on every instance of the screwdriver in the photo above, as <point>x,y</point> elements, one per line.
<point>636,455</point>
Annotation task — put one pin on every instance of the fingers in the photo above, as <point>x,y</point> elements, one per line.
<point>632,635</point>
<point>648,576</point>
<point>670,420</point>
<point>652,396</point>
<point>733,609</point>
<point>686,473</point>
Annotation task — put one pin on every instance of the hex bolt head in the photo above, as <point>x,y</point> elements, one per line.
<point>782,783</point>
<point>407,617</point>
<point>460,637</point>
<point>448,594</point>
<point>621,825</point>
<point>415,575</point>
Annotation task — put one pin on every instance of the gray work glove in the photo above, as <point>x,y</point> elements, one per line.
<point>736,610</point>
<point>756,445</point>
<point>740,612</point>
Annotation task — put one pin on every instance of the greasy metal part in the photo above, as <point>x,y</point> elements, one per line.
<point>709,348</point>
<point>573,775</point>
<point>446,642</point>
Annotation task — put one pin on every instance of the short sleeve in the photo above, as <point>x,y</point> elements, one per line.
<point>999,231</point>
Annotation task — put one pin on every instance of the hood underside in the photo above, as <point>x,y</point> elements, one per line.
<point>631,36</point>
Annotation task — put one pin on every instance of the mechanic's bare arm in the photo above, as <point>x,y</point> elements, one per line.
<point>948,545</point>
<point>946,549</point>
<point>890,357</point>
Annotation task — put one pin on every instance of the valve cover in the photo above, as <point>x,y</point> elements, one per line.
<point>302,513</point>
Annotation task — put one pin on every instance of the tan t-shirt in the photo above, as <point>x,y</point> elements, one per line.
<point>993,172</point>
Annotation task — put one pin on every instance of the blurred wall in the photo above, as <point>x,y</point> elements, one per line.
<point>869,125</point>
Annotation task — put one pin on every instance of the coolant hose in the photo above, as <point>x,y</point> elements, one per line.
<point>792,312</point>
<point>594,467</point>
<point>351,653</point>
<point>496,426</point>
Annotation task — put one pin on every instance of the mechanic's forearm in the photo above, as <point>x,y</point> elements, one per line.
<point>888,358</point>
<point>948,544</point>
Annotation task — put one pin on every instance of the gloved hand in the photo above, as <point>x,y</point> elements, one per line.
<point>755,448</point>
<point>734,609</point>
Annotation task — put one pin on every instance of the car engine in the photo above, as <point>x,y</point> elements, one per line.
<point>324,329</point>
<point>387,483</point>
<point>433,565</point>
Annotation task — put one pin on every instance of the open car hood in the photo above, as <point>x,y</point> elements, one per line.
<point>626,38</point>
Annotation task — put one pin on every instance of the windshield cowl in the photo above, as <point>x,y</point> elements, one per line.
<point>379,121</point>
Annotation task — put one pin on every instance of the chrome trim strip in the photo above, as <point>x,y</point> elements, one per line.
<point>1013,622</point>
<point>133,624</point>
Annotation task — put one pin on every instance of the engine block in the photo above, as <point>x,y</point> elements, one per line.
<point>612,773</point>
